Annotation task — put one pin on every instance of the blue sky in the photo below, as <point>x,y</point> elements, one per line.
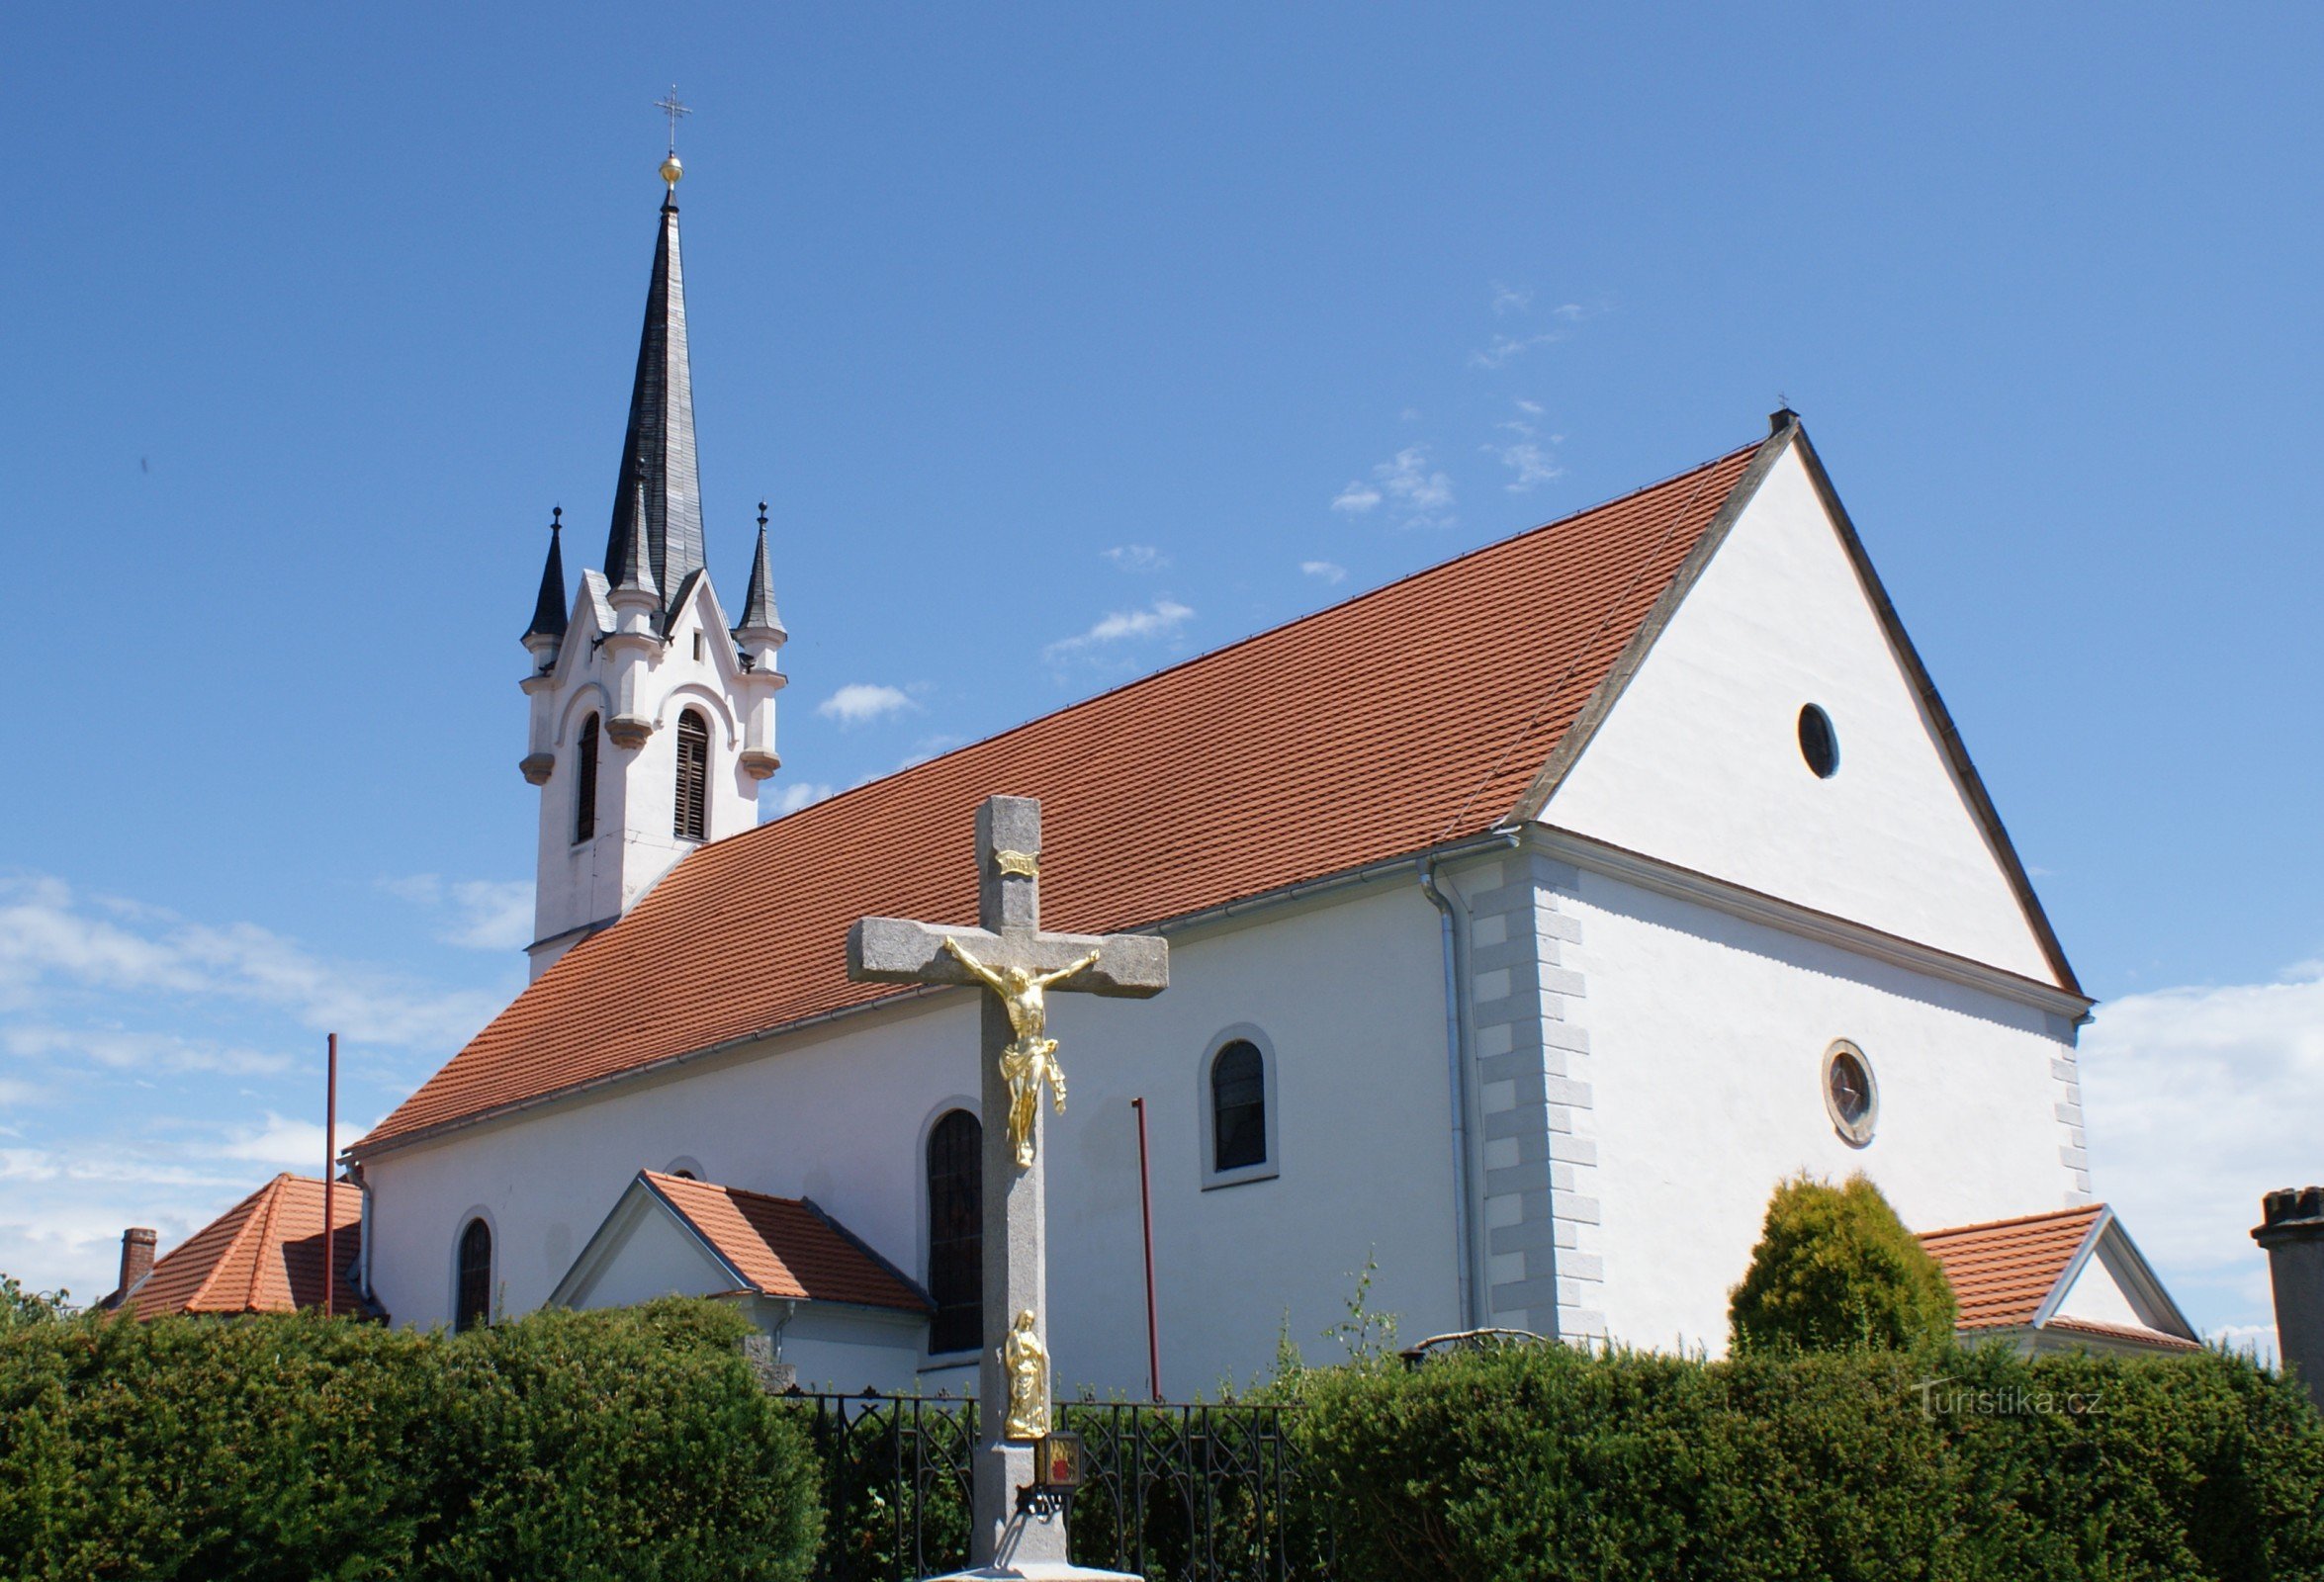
<point>314,317</point>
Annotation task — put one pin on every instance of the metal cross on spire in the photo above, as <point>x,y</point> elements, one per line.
<point>667,104</point>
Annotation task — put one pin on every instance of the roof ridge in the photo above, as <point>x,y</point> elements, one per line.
<point>247,1205</point>
<point>274,1208</point>
<point>2013,1220</point>
<point>1432,568</point>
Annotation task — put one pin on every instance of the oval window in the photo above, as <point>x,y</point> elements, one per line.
<point>1819,742</point>
<point>1850,1092</point>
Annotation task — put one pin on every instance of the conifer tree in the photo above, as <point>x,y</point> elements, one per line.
<point>1835,1270</point>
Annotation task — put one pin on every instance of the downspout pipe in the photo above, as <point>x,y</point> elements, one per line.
<point>363,1236</point>
<point>1457,1077</point>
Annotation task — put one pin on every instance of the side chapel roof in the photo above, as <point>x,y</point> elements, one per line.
<point>785,1246</point>
<point>2008,1274</point>
<point>1410,717</point>
<point>264,1255</point>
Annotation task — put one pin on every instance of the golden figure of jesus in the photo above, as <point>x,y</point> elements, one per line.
<point>1024,1364</point>
<point>1030,1058</point>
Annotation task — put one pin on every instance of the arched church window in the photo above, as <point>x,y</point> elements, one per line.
<point>956,1232</point>
<point>584,783</point>
<point>693,775</point>
<point>1238,1107</point>
<point>474,1302</point>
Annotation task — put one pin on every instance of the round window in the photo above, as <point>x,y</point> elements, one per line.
<point>1819,742</point>
<point>1850,1092</point>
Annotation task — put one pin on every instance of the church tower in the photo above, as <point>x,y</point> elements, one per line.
<point>653,723</point>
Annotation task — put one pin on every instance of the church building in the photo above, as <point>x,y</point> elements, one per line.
<point>1531,917</point>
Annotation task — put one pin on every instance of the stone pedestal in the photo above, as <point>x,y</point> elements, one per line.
<point>2292,1229</point>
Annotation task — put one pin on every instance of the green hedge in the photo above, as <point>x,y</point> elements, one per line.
<point>632,1445</point>
<point>1553,1463</point>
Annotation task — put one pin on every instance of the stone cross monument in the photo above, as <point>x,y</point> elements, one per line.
<point>1011,1534</point>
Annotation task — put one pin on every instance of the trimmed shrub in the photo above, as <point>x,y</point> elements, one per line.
<point>1546,1462</point>
<point>1835,1268</point>
<point>576,1445</point>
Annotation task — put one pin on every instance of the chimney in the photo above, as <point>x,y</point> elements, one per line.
<point>2292,1229</point>
<point>137,1257</point>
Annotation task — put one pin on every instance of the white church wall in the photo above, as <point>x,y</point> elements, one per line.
<point>1707,1033</point>
<point>1349,993</point>
<point>846,1350</point>
<point>658,1257</point>
<point>1699,762</point>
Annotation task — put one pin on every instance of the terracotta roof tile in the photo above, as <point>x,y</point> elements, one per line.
<point>786,1246</point>
<point>1405,718</point>
<point>264,1255</point>
<point>2003,1271</point>
<point>2123,1332</point>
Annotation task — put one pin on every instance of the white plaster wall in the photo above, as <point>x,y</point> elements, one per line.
<point>1699,761</point>
<point>2099,1295</point>
<point>1707,1037</point>
<point>1350,995</point>
<point>658,1257</point>
<point>851,1350</point>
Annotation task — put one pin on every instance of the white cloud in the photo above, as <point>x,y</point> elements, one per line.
<point>1417,494</point>
<point>926,748</point>
<point>859,702</point>
<point>121,1049</point>
<point>285,1142</point>
<point>1158,619</point>
<point>1524,453</point>
<point>1137,559</point>
<point>2200,1100</point>
<point>1505,349</point>
<point>1325,571</point>
<point>801,794</point>
<point>51,944</point>
<point>485,914</point>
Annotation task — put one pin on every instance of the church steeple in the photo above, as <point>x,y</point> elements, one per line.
<point>658,500</point>
<point>652,720</point>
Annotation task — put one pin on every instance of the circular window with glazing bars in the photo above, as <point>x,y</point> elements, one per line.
<point>1850,1092</point>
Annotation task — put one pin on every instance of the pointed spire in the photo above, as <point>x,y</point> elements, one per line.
<point>635,574</point>
<point>549,609</point>
<point>758,611</point>
<point>659,499</point>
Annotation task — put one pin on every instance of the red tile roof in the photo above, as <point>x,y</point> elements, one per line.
<point>786,1246</point>
<point>1402,719</point>
<point>2138,1333</point>
<point>2003,1271</point>
<point>264,1255</point>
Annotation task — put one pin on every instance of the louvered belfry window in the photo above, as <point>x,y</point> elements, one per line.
<point>474,1305</point>
<point>693,775</point>
<point>584,783</point>
<point>956,1232</point>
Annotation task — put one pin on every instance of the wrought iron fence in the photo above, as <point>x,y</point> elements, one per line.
<point>1174,1493</point>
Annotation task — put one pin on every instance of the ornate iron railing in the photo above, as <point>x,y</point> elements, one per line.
<point>1191,1493</point>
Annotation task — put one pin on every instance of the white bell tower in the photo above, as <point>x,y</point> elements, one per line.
<point>652,723</point>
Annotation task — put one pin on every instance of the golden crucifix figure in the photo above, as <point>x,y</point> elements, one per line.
<point>1030,1058</point>
<point>1024,1364</point>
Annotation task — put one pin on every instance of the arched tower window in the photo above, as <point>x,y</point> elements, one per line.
<point>474,1305</point>
<point>956,1232</point>
<point>693,775</point>
<point>1238,1107</point>
<point>584,783</point>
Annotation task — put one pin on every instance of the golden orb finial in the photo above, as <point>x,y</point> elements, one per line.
<point>672,170</point>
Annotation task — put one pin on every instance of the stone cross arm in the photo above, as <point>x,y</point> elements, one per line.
<point>900,950</point>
